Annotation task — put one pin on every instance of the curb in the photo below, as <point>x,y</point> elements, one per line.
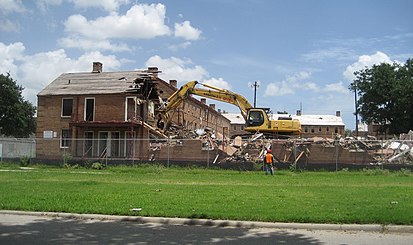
<point>222,223</point>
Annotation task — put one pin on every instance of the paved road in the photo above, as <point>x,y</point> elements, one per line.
<point>33,229</point>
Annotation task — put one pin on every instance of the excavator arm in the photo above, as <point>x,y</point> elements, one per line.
<point>256,118</point>
<point>209,91</point>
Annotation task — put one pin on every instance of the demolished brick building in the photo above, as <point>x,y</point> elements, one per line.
<point>94,115</point>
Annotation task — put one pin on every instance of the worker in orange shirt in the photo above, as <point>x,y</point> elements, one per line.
<point>268,163</point>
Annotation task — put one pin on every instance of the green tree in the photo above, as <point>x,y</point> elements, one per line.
<point>16,114</point>
<point>386,96</point>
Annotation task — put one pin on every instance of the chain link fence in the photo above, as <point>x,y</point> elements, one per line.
<point>210,152</point>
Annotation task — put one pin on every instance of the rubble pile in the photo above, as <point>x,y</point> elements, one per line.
<point>292,150</point>
<point>251,150</point>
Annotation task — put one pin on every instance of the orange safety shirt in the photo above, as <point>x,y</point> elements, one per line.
<point>268,158</point>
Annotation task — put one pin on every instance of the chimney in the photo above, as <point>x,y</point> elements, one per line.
<point>97,67</point>
<point>212,106</point>
<point>219,111</point>
<point>298,112</point>
<point>338,114</point>
<point>203,101</point>
<point>153,70</point>
<point>173,83</point>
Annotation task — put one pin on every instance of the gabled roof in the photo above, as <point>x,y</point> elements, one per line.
<point>94,82</point>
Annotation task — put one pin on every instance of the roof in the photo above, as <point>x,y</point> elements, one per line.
<point>93,83</point>
<point>234,118</point>
<point>319,120</point>
<point>309,120</point>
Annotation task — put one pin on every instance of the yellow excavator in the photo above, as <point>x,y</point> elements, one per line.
<point>257,119</point>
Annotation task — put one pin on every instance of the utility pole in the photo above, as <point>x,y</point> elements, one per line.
<point>356,109</point>
<point>255,86</point>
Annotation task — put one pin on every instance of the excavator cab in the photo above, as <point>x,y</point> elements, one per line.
<point>256,117</point>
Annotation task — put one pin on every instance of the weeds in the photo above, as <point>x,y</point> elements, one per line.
<point>24,161</point>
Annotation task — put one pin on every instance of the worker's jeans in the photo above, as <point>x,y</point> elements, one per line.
<point>269,169</point>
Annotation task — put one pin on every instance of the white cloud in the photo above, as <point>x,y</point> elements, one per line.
<point>336,87</point>
<point>186,31</point>
<point>9,56</point>
<point>310,86</point>
<point>183,45</point>
<point>219,83</point>
<point>174,68</point>
<point>328,54</point>
<point>140,22</point>
<point>365,61</point>
<point>289,85</point>
<point>8,26</point>
<point>34,72</point>
<point>278,89</point>
<point>302,75</point>
<point>12,6</point>
<point>43,5</point>
<point>90,45</point>
<point>108,5</point>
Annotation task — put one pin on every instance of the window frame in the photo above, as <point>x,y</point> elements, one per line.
<point>64,141</point>
<point>62,111</point>
<point>85,109</point>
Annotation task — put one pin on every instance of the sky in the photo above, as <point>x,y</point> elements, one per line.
<point>301,53</point>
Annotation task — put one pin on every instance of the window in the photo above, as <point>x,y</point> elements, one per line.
<point>336,130</point>
<point>103,144</point>
<point>89,109</point>
<point>328,129</point>
<point>64,138</point>
<point>115,144</point>
<point>67,107</point>
<point>312,130</point>
<point>319,129</point>
<point>130,110</point>
<point>255,118</point>
<point>306,130</point>
<point>88,148</point>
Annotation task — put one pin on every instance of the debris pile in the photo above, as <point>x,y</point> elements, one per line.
<point>251,150</point>
<point>309,150</point>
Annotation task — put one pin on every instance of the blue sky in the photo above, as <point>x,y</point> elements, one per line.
<point>302,53</point>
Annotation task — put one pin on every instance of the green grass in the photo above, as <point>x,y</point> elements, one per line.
<point>372,196</point>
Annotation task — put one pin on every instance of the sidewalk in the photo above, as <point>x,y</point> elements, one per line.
<point>224,223</point>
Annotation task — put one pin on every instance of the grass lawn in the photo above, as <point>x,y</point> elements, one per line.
<point>372,196</point>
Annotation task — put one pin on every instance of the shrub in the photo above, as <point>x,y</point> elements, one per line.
<point>404,172</point>
<point>24,161</point>
<point>97,165</point>
<point>67,159</point>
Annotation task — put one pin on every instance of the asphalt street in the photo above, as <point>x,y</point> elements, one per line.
<point>44,229</point>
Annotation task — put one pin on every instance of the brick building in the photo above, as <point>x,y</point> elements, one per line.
<point>111,114</point>
<point>325,126</point>
<point>237,124</point>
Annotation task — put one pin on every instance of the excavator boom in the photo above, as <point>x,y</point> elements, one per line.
<point>256,118</point>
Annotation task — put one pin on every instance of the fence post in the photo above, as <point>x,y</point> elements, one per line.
<point>169,145</point>
<point>336,152</point>
<point>208,155</point>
